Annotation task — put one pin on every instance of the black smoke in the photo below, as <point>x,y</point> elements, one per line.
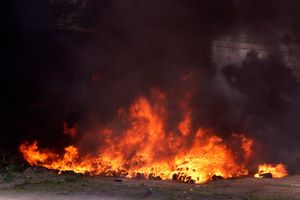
<point>119,50</point>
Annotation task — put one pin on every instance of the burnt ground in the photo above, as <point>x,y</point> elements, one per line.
<point>42,184</point>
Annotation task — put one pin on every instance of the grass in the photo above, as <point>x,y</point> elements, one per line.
<point>10,163</point>
<point>9,171</point>
<point>72,177</point>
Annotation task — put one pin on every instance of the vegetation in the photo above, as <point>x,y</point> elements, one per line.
<point>10,163</point>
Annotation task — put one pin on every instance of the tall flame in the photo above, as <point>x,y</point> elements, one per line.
<point>146,147</point>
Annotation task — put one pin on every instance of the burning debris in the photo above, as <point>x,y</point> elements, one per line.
<point>146,149</point>
<point>271,171</point>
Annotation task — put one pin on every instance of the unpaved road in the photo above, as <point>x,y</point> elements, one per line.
<point>45,185</point>
<point>33,196</point>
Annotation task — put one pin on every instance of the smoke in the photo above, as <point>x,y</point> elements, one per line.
<point>270,108</point>
<point>132,46</point>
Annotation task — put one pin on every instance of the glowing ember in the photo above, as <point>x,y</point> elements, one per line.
<point>277,171</point>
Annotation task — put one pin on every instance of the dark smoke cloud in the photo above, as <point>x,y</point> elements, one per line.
<point>270,108</point>
<point>52,75</point>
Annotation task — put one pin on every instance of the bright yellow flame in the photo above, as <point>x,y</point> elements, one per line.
<point>277,171</point>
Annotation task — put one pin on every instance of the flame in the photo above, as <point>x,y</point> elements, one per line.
<point>34,156</point>
<point>276,170</point>
<point>146,147</point>
<point>71,131</point>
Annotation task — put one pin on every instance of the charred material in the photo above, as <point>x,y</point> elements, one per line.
<point>180,177</point>
<point>217,177</point>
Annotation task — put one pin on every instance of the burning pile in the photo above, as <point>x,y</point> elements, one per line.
<point>141,146</point>
<point>271,171</point>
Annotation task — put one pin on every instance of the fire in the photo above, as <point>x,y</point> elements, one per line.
<point>146,147</point>
<point>277,171</point>
<point>139,143</point>
<point>71,131</point>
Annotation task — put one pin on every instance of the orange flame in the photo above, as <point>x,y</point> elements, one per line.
<point>277,171</point>
<point>147,147</point>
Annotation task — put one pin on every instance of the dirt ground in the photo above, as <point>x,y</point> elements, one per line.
<point>41,184</point>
